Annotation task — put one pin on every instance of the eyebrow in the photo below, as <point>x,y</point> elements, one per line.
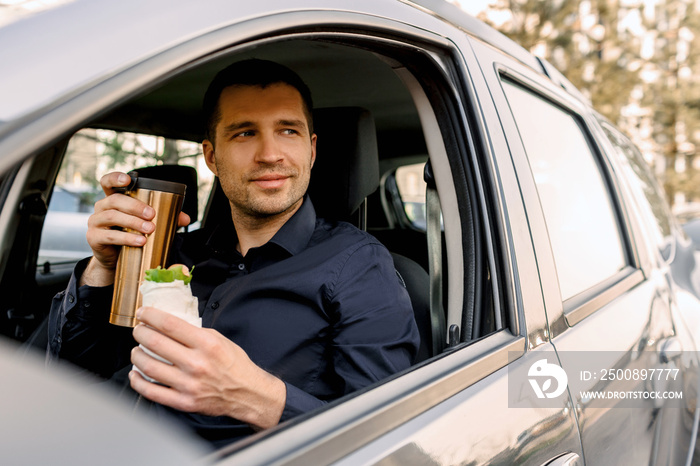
<point>230,128</point>
<point>233,127</point>
<point>296,123</point>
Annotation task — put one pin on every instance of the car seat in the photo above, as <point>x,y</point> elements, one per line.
<point>345,174</point>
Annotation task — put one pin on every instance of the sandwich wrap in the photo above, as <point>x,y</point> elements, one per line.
<point>169,290</point>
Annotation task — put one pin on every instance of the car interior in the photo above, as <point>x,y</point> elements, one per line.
<point>373,119</point>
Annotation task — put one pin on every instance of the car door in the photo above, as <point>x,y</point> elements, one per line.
<point>462,405</point>
<point>609,313</point>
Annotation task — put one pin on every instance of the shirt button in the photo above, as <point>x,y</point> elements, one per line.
<point>86,304</point>
<point>71,298</point>
<point>215,305</point>
<point>241,267</point>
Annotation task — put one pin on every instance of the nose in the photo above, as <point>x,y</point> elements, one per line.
<point>268,150</point>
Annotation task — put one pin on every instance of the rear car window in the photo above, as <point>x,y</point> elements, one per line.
<point>644,186</point>
<point>411,187</point>
<point>91,154</point>
<point>580,217</point>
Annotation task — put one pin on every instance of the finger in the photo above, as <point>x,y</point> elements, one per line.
<point>171,326</point>
<point>100,240</point>
<point>158,393</point>
<point>113,180</point>
<point>110,219</point>
<point>183,220</point>
<point>154,367</point>
<point>126,204</point>
<point>113,228</point>
<point>161,344</point>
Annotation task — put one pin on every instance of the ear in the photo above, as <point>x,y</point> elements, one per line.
<point>209,155</point>
<point>313,149</point>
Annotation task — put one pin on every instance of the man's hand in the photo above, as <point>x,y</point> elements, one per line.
<point>210,374</point>
<point>105,234</point>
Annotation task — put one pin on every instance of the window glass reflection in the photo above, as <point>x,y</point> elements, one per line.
<point>582,225</point>
<point>644,186</point>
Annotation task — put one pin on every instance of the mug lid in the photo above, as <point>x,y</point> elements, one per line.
<point>153,184</point>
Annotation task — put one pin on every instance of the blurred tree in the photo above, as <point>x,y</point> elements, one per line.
<point>124,150</point>
<point>535,21</point>
<point>673,94</point>
<point>582,39</point>
<point>132,149</point>
<point>92,153</point>
<point>605,47</point>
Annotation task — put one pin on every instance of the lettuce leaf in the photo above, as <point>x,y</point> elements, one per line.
<point>175,272</point>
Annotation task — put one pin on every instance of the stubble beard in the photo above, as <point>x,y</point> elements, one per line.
<point>248,201</point>
<point>264,205</point>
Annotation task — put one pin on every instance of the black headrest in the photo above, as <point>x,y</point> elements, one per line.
<point>346,170</point>
<point>178,174</point>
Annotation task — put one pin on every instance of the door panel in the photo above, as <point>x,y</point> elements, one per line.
<point>478,426</point>
<point>627,334</point>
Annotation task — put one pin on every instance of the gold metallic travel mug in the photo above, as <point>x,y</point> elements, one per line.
<point>166,199</point>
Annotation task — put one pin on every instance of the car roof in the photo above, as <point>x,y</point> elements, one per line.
<point>92,47</point>
<point>82,48</point>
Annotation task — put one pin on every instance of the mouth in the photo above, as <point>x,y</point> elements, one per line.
<point>270,181</point>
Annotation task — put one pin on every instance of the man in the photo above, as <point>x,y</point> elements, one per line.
<point>296,311</point>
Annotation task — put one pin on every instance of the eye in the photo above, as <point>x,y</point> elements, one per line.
<point>289,131</point>
<point>243,134</point>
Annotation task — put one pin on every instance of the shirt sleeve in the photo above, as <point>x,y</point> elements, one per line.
<point>375,334</point>
<point>80,332</point>
<point>298,402</point>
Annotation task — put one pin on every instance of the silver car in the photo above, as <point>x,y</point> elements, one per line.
<point>556,296</point>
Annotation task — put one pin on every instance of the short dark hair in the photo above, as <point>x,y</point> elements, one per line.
<point>251,72</point>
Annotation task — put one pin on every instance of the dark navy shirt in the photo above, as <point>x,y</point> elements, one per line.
<point>320,306</point>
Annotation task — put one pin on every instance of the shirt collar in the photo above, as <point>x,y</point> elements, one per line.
<point>296,232</point>
<point>292,237</point>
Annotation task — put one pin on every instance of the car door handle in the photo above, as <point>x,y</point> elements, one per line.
<point>669,349</point>
<point>567,459</point>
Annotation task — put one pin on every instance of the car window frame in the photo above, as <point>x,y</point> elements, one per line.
<point>463,366</point>
<point>585,303</point>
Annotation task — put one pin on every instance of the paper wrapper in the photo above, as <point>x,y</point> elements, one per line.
<point>175,298</point>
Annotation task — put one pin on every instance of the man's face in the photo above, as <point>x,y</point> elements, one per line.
<point>264,153</point>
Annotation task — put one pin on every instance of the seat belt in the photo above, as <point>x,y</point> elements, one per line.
<point>434,238</point>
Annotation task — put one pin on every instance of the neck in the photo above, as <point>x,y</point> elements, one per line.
<point>255,231</point>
